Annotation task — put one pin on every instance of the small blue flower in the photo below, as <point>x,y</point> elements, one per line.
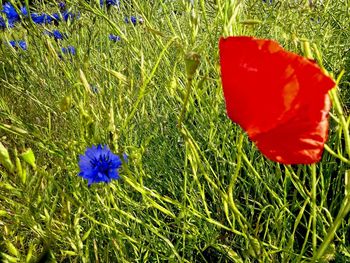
<point>133,19</point>
<point>57,35</point>
<point>13,43</point>
<point>10,12</point>
<point>22,44</point>
<point>24,11</point>
<point>66,15</point>
<point>62,5</point>
<point>56,16</point>
<point>114,38</point>
<point>99,164</point>
<point>18,44</point>
<point>68,50</point>
<point>109,3</point>
<point>37,19</point>
<point>41,19</point>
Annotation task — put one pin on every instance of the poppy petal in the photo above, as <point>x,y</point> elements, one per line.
<point>279,98</point>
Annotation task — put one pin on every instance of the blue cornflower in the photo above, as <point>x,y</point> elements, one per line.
<point>99,164</point>
<point>56,16</point>
<point>18,44</point>
<point>132,19</point>
<point>66,15</point>
<point>24,11</point>
<point>41,19</point>
<point>68,50</point>
<point>37,19</point>
<point>109,2</point>
<point>22,44</point>
<point>114,37</point>
<point>10,12</point>
<point>62,5</point>
<point>57,35</point>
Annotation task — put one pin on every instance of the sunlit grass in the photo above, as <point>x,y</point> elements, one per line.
<point>194,188</point>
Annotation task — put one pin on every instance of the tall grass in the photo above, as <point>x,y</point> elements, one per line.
<point>194,189</point>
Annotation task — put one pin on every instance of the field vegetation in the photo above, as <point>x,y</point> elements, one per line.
<point>193,187</point>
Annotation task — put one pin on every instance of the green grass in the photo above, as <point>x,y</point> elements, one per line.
<point>195,192</point>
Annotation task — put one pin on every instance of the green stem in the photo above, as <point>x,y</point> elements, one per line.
<point>235,210</point>
<point>345,208</point>
<point>331,232</point>
<point>340,157</point>
<point>338,108</point>
<point>187,96</point>
<point>314,207</point>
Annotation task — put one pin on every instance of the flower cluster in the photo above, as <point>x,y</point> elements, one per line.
<point>13,16</point>
<point>68,50</point>
<point>18,44</point>
<point>114,38</point>
<point>133,19</point>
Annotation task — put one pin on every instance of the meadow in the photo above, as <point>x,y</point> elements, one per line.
<point>143,77</point>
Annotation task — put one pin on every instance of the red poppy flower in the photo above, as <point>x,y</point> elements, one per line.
<point>279,98</point>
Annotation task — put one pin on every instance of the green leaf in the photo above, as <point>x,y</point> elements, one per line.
<point>254,247</point>
<point>12,249</point>
<point>3,213</point>
<point>229,252</point>
<point>86,235</point>
<point>29,158</point>
<point>5,159</point>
